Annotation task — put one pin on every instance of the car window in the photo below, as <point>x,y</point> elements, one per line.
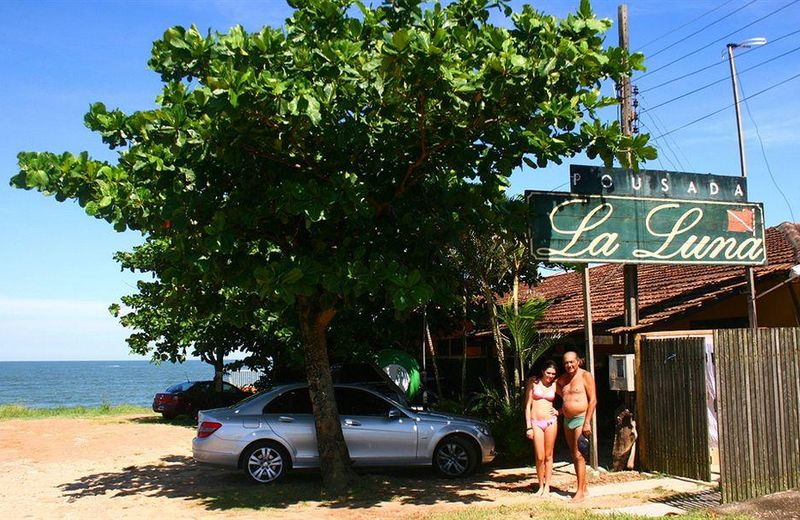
<point>229,388</point>
<point>352,401</point>
<point>202,387</point>
<point>180,387</point>
<point>295,401</point>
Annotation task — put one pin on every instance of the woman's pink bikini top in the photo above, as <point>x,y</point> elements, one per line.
<point>550,395</point>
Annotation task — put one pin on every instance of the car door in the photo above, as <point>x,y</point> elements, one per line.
<point>290,416</point>
<point>372,436</point>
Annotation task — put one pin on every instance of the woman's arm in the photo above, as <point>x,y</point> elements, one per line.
<point>528,402</point>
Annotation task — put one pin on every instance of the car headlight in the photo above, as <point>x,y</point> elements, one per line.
<point>482,429</point>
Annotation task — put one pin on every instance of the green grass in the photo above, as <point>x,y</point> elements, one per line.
<point>554,512</point>
<point>16,411</point>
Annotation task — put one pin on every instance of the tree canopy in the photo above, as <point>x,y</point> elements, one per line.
<point>332,159</point>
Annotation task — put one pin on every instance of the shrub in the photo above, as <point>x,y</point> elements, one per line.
<point>507,422</point>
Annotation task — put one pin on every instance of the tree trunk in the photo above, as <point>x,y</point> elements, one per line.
<point>335,466</point>
<point>498,341</point>
<point>520,356</point>
<point>464,352</point>
<point>217,360</point>
<point>219,368</point>
<point>432,350</point>
<point>516,362</point>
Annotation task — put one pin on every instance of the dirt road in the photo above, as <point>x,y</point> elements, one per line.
<point>140,467</point>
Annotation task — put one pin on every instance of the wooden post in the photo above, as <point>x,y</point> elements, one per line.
<point>630,271</point>
<point>641,416</point>
<point>626,112</point>
<point>589,335</point>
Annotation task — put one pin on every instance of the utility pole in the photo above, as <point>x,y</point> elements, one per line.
<point>630,271</point>
<point>752,314</point>
<point>589,339</point>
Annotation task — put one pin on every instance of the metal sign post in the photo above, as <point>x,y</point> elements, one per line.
<point>587,324</point>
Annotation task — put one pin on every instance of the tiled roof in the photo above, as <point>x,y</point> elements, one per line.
<point>665,291</point>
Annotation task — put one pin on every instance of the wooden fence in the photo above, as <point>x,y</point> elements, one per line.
<point>673,385</point>
<point>758,384</point>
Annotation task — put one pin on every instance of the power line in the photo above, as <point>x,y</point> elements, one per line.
<point>657,147</point>
<point>677,164</point>
<point>764,154</point>
<point>660,126</point>
<point>717,40</point>
<point>682,26</point>
<point>702,29</point>
<point>726,107</point>
<point>698,89</point>
<point>718,63</point>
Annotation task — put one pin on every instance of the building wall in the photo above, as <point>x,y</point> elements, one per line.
<point>776,309</point>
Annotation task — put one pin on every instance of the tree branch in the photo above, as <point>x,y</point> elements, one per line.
<point>423,148</point>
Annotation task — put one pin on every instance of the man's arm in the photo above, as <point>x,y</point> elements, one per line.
<point>591,396</point>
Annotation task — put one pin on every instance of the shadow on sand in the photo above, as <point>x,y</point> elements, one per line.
<point>180,477</point>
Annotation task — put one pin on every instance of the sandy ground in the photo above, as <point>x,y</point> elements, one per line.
<point>140,467</point>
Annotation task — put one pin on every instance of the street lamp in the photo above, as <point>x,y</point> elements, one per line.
<point>751,285</point>
<point>750,42</point>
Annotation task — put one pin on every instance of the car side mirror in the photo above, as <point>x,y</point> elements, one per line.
<point>394,413</point>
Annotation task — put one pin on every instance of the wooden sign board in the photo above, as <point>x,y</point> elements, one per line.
<point>593,180</point>
<point>577,228</point>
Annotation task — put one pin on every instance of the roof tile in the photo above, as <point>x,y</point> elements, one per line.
<point>665,291</point>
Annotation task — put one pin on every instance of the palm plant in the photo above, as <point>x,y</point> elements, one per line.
<point>522,326</point>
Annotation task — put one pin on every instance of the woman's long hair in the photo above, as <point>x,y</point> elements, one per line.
<point>546,364</point>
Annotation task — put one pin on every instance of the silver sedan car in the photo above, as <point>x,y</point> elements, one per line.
<point>273,432</point>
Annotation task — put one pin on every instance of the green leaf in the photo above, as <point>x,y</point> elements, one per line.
<point>312,110</point>
<point>293,276</point>
<point>400,39</point>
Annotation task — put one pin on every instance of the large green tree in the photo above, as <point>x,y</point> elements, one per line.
<point>180,312</point>
<point>330,159</point>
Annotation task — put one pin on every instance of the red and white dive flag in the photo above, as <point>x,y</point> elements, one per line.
<point>741,220</point>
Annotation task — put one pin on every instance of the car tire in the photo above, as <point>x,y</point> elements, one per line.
<point>168,415</point>
<point>455,457</point>
<point>265,462</point>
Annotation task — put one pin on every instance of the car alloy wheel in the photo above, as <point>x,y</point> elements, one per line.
<point>265,464</point>
<point>454,457</point>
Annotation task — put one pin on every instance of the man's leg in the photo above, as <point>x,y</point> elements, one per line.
<point>578,460</point>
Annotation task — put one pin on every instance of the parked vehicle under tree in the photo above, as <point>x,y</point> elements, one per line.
<point>273,432</point>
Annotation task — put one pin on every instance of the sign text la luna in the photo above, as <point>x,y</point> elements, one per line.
<point>600,228</point>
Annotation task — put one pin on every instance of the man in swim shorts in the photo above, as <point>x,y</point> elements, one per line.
<point>577,390</point>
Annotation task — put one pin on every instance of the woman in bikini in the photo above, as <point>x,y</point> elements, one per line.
<point>541,421</point>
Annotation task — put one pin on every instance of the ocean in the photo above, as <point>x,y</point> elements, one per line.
<point>48,384</point>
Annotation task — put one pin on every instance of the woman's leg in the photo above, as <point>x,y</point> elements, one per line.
<point>549,445</point>
<point>539,448</point>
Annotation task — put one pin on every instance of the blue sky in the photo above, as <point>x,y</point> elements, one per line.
<point>57,275</point>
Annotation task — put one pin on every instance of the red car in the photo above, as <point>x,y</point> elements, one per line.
<point>190,397</point>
